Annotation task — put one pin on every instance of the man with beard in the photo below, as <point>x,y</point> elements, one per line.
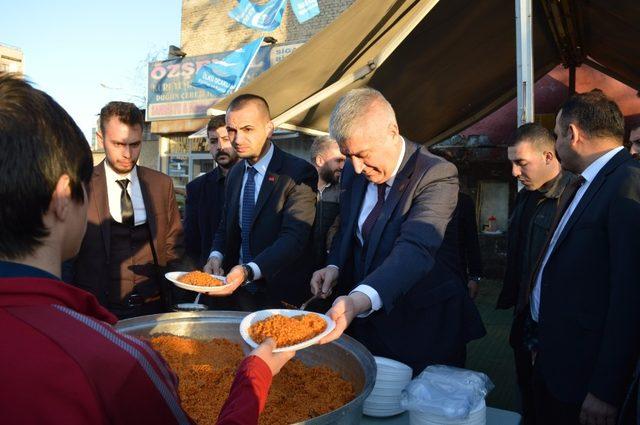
<point>328,160</point>
<point>205,195</point>
<point>584,296</point>
<point>133,230</point>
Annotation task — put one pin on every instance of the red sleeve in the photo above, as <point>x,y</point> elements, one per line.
<point>248,393</point>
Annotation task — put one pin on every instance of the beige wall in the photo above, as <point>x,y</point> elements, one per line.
<point>11,59</point>
<point>206,27</point>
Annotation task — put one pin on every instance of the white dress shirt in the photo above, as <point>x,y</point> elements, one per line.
<point>261,172</point>
<point>589,174</point>
<point>370,199</point>
<point>114,191</point>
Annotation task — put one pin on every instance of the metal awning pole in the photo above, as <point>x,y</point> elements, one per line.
<point>524,61</point>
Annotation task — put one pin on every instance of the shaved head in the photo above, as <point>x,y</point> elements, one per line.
<point>245,99</point>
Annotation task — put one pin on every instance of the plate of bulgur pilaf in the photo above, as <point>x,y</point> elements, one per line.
<point>292,330</point>
<point>197,281</point>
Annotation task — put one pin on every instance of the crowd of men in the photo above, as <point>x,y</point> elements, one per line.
<point>374,225</point>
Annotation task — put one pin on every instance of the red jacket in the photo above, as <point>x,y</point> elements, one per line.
<point>61,361</point>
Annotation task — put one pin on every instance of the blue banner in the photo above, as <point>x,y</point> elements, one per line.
<point>223,76</point>
<point>265,17</point>
<point>305,9</point>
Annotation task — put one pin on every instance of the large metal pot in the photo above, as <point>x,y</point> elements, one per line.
<point>346,355</point>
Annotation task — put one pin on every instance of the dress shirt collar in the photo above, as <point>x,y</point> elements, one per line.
<point>263,163</point>
<point>113,176</point>
<point>594,168</point>
<point>400,158</point>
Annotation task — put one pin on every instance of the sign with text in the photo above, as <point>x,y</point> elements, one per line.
<point>171,95</point>
<point>221,77</point>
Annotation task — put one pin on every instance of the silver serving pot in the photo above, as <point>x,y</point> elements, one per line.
<point>346,356</point>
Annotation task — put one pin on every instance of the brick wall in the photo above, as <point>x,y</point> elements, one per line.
<point>206,28</point>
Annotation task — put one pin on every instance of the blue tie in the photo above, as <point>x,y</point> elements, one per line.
<point>248,205</point>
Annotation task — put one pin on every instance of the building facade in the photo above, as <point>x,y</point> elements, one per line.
<point>177,110</point>
<point>11,59</point>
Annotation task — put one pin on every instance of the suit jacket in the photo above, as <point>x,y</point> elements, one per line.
<point>524,247</point>
<point>91,266</point>
<point>280,237</point>
<point>589,321</point>
<point>203,210</point>
<point>412,261</point>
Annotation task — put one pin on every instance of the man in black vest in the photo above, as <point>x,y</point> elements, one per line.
<point>133,230</point>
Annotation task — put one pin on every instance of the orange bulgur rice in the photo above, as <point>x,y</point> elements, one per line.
<point>206,370</point>
<point>287,331</point>
<point>198,278</point>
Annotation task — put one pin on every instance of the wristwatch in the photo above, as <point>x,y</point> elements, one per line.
<point>249,271</point>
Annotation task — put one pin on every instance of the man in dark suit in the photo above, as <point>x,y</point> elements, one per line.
<point>396,253</point>
<point>585,290</point>
<point>205,195</point>
<point>133,230</point>
<point>264,237</point>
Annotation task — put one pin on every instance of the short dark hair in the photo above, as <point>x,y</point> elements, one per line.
<point>320,145</point>
<point>126,112</point>
<point>537,135</point>
<point>239,101</point>
<point>216,122</point>
<point>594,113</point>
<point>40,142</point>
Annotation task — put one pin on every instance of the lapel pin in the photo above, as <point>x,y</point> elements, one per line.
<point>271,178</point>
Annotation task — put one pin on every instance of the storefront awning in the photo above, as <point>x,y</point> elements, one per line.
<point>443,65</point>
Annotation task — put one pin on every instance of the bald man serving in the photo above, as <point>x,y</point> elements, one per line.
<point>264,237</point>
<point>396,250</point>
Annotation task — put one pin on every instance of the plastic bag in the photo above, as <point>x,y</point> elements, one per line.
<point>446,391</point>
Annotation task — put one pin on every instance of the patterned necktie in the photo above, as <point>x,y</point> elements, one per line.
<point>248,205</point>
<point>126,206</point>
<point>371,219</point>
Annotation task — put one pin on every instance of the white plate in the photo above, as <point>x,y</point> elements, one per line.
<point>381,413</point>
<point>390,365</point>
<point>263,314</point>
<point>174,276</point>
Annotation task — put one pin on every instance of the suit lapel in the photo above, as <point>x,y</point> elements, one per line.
<point>101,204</point>
<point>235,186</point>
<point>395,193</point>
<point>269,182</point>
<point>601,177</point>
<point>207,199</point>
<point>149,206</point>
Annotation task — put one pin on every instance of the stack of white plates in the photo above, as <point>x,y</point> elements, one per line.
<point>477,416</point>
<point>391,379</point>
